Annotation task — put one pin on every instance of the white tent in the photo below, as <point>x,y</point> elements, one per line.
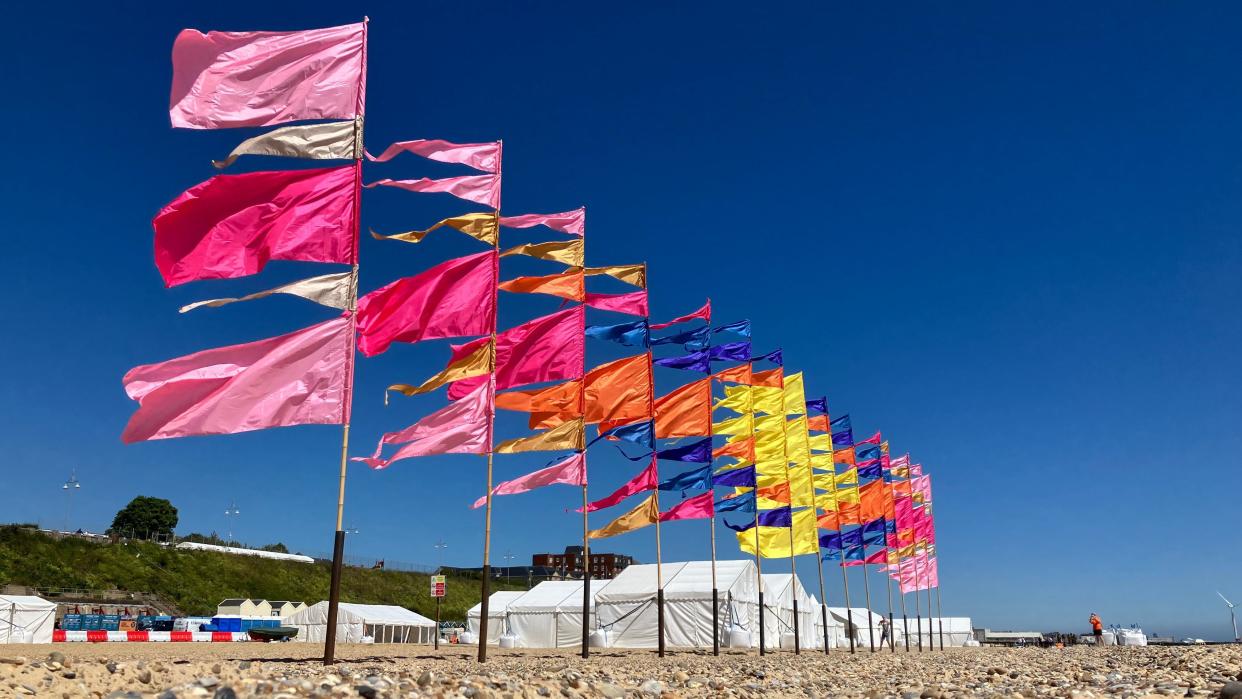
<point>25,619</point>
<point>497,615</point>
<point>861,617</point>
<point>779,591</point>
<point>549,615</point>
<point>957,630</point>
<point>383,622</point>
<point>626,607</point>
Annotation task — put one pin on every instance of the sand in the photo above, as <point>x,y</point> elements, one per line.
<point>289,670</point>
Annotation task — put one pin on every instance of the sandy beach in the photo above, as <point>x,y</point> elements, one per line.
<point>222,671</point>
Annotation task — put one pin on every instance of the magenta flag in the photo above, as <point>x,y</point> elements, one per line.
<point>572,222</point>
<point>480,156</point>
<point>461,427</point>
<point>231,225</point>
<point>633,303</point>
<point>480,189</point>
<point>648,479</point>
<point>571,471</point>
<point>455,298</point>
<point>225,79</point>
<point>550,348</point>
<point>294,379</point>
<point>697,507</point>
<point>704,313</point>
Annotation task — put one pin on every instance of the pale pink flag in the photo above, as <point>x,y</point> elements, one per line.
<point>294,379</point>
<point>480,156</point>
<point>633,303</point>
<point>480,189</point>
<point>456,298</point>
<point>232,225</point>
<point>226,79</point>
<point>461,427</point>
<point>572,222</point>
<point>916,470</point>
<point>921,485</point>
<point>571,471</point>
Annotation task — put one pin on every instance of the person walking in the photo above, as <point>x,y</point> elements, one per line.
<point>883,631</point>
<point>1097,628</point>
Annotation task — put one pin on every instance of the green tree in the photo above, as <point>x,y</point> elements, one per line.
<point>145,518</point>
<point>277,547</point>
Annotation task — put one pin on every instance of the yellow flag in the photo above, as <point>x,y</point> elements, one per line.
<point>767,399</point>
<point>630,274</point>
<point>740,426</point>
<point>821,442</point>
<point>823,461</point>
<point>569,435</point>
<point>737,399</point>
<point>794,396</point>
<point>480,226</point>
<point>568,252</point>
<point>477,363</point>
<point>774,541</point>
<point>645,514</point>
<point>848,493</point>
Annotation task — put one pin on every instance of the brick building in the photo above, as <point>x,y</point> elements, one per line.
<point>569,564</point>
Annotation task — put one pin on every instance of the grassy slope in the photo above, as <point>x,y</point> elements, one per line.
<point>196,581</point>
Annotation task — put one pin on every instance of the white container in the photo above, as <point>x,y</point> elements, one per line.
<point>787,639</point>
<point>737,637</point>
<point>468,638</point>
<point>508,640</point>
<point>599,639</point>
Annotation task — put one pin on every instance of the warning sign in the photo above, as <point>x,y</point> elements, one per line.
<point>437,586</point>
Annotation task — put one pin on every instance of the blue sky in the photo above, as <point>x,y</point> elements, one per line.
<point>1005,234</point>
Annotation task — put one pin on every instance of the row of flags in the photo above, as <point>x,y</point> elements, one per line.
<point>746,441</point>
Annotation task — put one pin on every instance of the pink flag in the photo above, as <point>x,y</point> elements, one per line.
<point>453,299</point>
<point>550,348</point>
<point>921,485</point>
<point>231,225</point>
<point>571,471</point>
<point>461,427</point>
<point>697,507</point>
<point>704,313</point>
<point>646,480</point>
<point>480,156</point>
<point>294,379</point>
<point>873,439</point>
<point>224,79</point>
<point>633,303</point>
<point>572,222</point>
<point>480,189</point>
<point>916,470</point>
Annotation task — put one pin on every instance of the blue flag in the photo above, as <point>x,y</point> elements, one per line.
<point>699,452</point>
<point>741,327</point>
<point>642,433</point>
<point>693,340</point>
<point>737,477</point>
<point>780,517</point>
<point>695,361</point>
<point>774,356</point>
<point>730,352</point>
<point>741,503</point>
<point>870,470</point>
<point>842,432</point>
<point>819,405</point>
<point>629,334</point>
<point>698,479</point>
<point>739,527</point>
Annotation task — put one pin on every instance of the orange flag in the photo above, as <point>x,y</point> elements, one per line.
<point>645,514</point>
<point>738,374</point>
<point>566,285</point>
<point>871,501</point>
<point>771,377</point>
<point>844,455</point>
<point>619,391</point>
<point>845,515</point>
<point>901,489</point>
<point>778,492</point>
<point>685,412</point>
<point>818,423</point>
<point>548,407</point>
<point>742,449</point>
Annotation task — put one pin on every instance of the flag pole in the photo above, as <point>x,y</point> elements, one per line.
<point>819,562</point>
<point>793,564</point>
<point>845,581</point>
<point>867,590</point>
<point>931,642</point>
<point>712,489</point>
<point>918,610</point>
<point>905,620</point>
<point>338,542</point>
<point>759,575</point>
<point>655,463</point>
<point>888,587</point>
<point>586,529</point>
<point>939,611</point>
<point>485,585</point>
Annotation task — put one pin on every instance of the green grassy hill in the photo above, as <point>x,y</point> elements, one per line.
<point>196,581</point>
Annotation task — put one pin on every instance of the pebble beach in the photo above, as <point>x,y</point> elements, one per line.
<point>290,670</point>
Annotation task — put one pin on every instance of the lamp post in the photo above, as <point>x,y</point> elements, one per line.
<point>439,546</point>
<point>231,512</point>
<point>509,566</point>
<point>70,485</point>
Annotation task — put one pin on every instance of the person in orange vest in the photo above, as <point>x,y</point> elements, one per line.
<point>1097,628</point>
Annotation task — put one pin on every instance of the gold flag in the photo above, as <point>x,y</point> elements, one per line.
<point>480,226</point>
<point>332,141</point>
<point>645,514</point>
<point>332,290</point>
<point>568,252</point>
<point>477,363</point>
<point>569,435</point>
<point>774,541</point>
<point>630,274</point>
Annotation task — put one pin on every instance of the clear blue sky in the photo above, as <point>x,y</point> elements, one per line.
<point>1006,234</point>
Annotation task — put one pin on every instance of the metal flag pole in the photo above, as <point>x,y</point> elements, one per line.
<point>586,529</point>
<point>931,642</point>
<point>759,575</point>
<point>712,520</point>
<point>867,590</point>
<point>793,563</point>
<point>918,612</point>
<point>656,465</point>
<point>905,620</point>
<point>338,543</point>
<point>845,581</point>
<point>485,585</point>
<point>888,587</point>
<point>939,611</point>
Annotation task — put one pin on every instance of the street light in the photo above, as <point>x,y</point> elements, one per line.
<point>439,546</point>
<point>232,511</point>
<point>509,566</point>
<point>70,485</point>
<point>350,530</point>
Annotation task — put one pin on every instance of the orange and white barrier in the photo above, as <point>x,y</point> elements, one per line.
<point>62,636</point>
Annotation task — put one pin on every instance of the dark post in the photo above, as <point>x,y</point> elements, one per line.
<point>660,618</point>
<point>586,602</point>
<point>334,597</point>
<point>793,587</point>
<point>484,619</point>
<point>823,609</point>
<point>761,634</point>
<point>437,641</point>
<point>715,621</point>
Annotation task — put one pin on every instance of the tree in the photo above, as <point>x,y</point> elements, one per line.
<point>276,548</point>
<point>145,518</point>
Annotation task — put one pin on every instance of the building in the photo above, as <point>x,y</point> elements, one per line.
<point>570,563</point>
<point>285,608</point>
<point>244,608</point>
<point>988,637</point>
